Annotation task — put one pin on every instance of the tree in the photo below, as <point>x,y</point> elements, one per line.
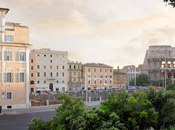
<point>72,115</point>
<point>132,82</point>
<point>170,2</point>
<point>135,111</point>
<point>170,86</point>
<point>142,79</point>
<point>164,104</point>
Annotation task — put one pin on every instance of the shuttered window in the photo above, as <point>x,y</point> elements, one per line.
<point>22,56</point>
<point>21,77</point>
<point>8,55</point>
<point>9,77</point>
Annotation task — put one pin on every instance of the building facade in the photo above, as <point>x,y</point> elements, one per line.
<point>97,76</point>
<point>119,80</point>
<point>49,70</point>
<point>154,63</point>
<point>14,63</point>
<point>75,79</point>
<point>131,71</point>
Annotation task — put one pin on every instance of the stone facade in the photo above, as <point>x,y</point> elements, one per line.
<point>97,76</point>
<point>131,71</point>
<point>154,62</point>
<point>119,79</point>
<point>14,63</point>
<point>50,69</point>
<point>74,73</point>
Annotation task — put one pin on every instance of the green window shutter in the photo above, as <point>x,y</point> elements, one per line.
<point>0,55</point>
<point>0,77</point>
<point>4,55</point>
<point>12,77</point>
<point>24,77</point>
<point>12,38</point>
<point>16,78</point>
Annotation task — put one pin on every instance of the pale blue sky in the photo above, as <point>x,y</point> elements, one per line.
<point>115,32</point>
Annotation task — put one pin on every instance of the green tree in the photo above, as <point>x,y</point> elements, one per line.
<point>164,104</point>
<point>142,79</point>
<point>132,82</point>
<point>170,86</point>
<point>170,2</point>
<point>134,111</point>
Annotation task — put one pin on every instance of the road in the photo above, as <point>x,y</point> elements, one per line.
<point>17,119</point>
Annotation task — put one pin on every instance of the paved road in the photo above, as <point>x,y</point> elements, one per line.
<point>19,121</point>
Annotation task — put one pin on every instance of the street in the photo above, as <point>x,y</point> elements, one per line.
<point>19,121</point>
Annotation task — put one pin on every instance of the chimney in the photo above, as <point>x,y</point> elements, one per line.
<point>118,68</point>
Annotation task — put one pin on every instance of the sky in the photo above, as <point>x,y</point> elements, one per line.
<point>114,32</point>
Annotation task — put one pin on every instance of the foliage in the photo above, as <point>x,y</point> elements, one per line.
<point>170,86</point>
<point>134,111</point>
<point>164,104</point>
<point>0,107</point>
<point>72,115</point>
<point>144,84</point>
<point>142,79</point>
<point>170,2</point>
<point>132,82</point>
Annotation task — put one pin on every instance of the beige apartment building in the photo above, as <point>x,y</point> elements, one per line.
<point>14,63</point>
<point>48,70</point>
<point>97,76</point>
<point>74,72</point>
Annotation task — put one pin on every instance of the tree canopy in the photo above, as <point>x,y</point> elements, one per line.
<point>170,2</point>
<point>141,79</point>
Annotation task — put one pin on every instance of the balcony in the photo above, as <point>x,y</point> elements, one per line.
<point>51,78</point>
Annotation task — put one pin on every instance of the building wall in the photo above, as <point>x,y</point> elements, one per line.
<point>60,59</point>
<point>32,86</point>
<point>120,80</point>
<point>74,76</point>
<point>106,73</point>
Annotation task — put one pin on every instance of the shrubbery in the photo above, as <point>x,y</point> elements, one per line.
<point>121,112</point>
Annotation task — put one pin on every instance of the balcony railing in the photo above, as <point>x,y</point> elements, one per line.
<point>51,78</point>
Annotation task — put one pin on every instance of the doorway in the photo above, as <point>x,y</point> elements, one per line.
<point>51,86</point>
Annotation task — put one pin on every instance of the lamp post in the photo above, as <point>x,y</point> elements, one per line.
<point>165,70</point>
<point>135,76</point>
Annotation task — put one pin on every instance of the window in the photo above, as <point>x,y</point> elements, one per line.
<point>79,67</point>
<point>50,66</point>
<point>38,67</point>
<point>63,56</point>
<point>63,89</point>
<point>110,70</point>
<point>44,74</point>
<point>70,73</point>
<point>38,55</point>
<point>9,95</point>
<point>57,55</point>
<point>63,81</point>
<point>74,79</point>
<point>57,74</point>
<point>31,74</point>
<point>21,77</point>
<point>89,82</point>
<point>31,60</point>
<point>100,70</point>
<point>89,76</point>
<point>62,61</point>
<point>57,67</point>
<point>63,74</point>
<point>100,76</point>
<point>22,56</point>
<point>70,79</point>
<point>94,81</point>
<point>63,67</point>
<point>106,76</point>
<point>44,66</point>
<point>57,61</point>
<point>50,61</point>
<point>100,81</point>
<point>31,67</point>
<point>9,77</point>
<point>94,70</point>
<point>31,82</point>
<point>57,81</point>
<point>105,70</point>
<point>38,60</point>
<point>105,81</point>
<point>51,74</point>
<point>88,69</point>
<point>44,81</point>
<point>94,76</point>
<point>9,38</point>
<point>110,76</point>
<point>50,55</point>
<point>69,66</point>
<point>45,60</point>
<point>38,74</point>
<point>44,55</point>
<point>8,55</point>
<point>110,81</point>
<point>38,82</point>
<point>78,78</point>
<point>74,67</point>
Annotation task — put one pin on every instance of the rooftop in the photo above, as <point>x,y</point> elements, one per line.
<point>5,9</point>
<point>97,65</point>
